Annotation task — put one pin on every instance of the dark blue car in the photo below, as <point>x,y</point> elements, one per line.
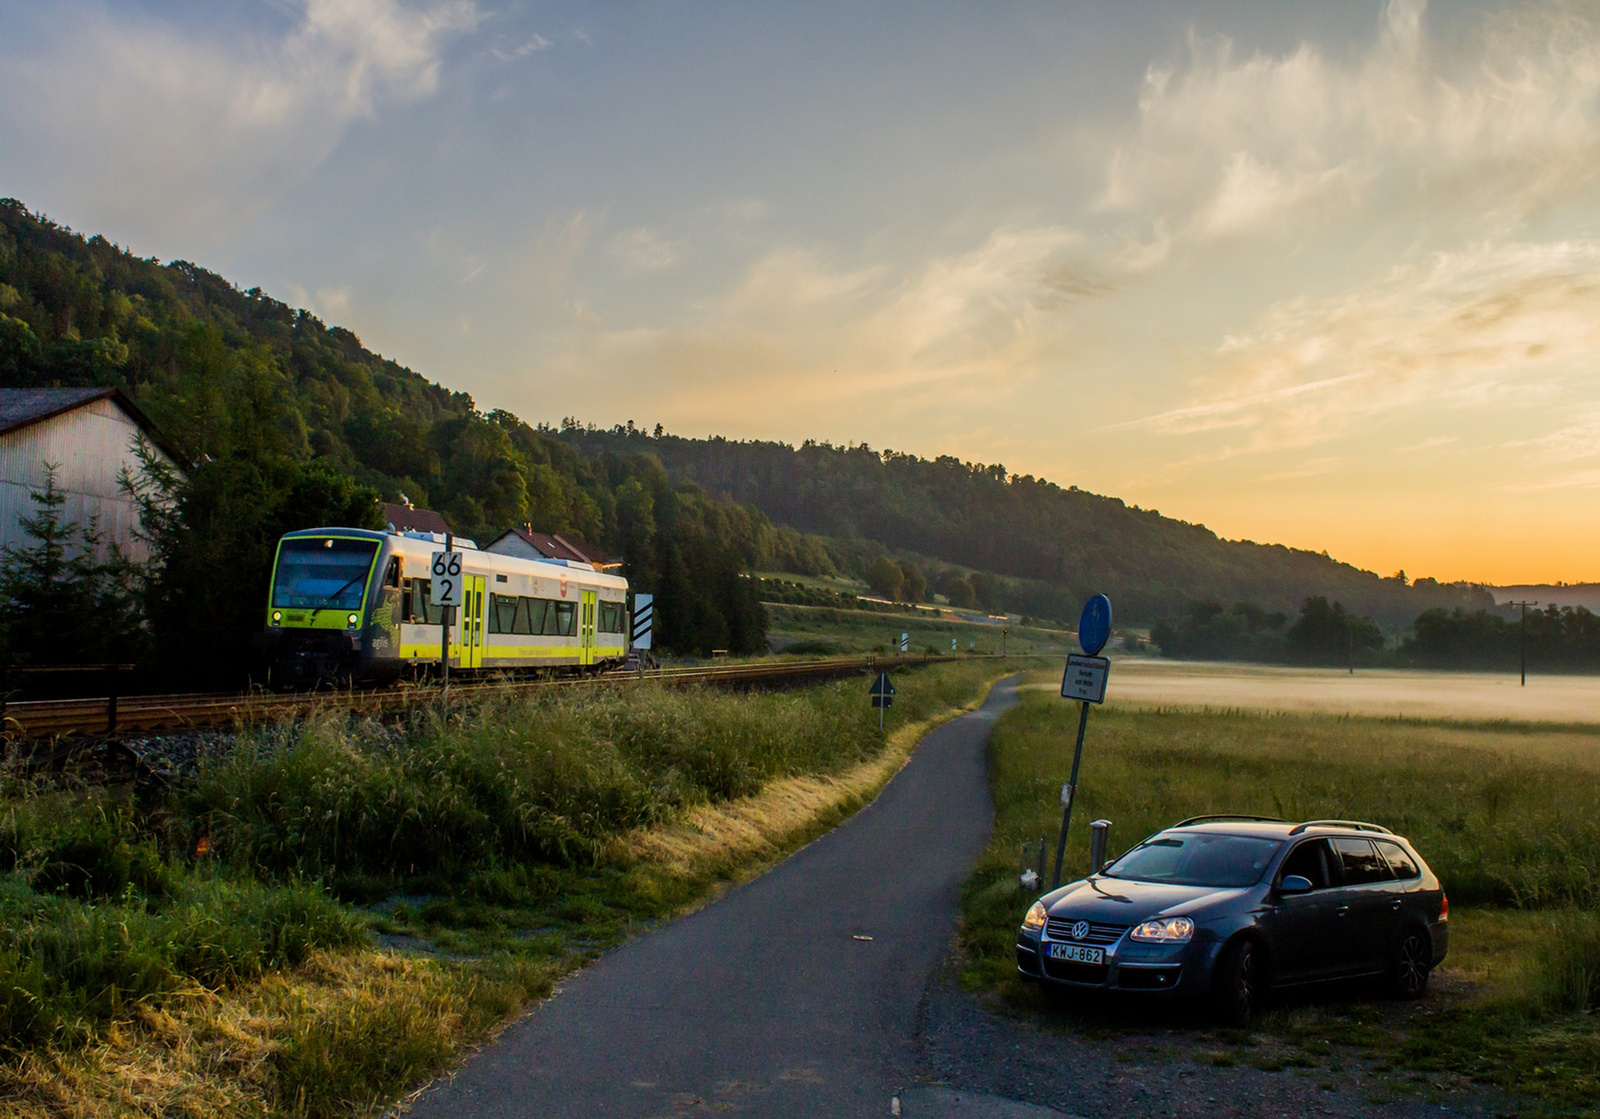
<point>1227,907</point>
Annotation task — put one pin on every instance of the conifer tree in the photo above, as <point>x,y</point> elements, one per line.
<point>63,603</point>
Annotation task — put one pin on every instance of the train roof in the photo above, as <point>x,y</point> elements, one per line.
<point>499,559</point>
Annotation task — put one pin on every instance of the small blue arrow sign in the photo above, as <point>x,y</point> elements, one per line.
<point>1094,626</point>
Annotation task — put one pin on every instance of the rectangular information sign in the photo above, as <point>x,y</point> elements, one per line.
<point>1085,678</point>
<point>445,586</point>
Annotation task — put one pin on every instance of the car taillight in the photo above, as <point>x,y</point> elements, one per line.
<point>1444,907</point>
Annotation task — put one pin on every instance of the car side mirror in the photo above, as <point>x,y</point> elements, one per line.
<point>1294,884</point>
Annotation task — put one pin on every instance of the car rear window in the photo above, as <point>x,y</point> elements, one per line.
<point>1360,862</point>
<point>1403,865</point>
<point>1197,859</point>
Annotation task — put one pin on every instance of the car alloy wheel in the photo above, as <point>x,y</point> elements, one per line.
<point>1409,972</point>
<point>1237,983</point>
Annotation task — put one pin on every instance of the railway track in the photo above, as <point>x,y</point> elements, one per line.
<point>104,716</point>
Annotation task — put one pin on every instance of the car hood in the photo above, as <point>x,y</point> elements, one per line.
<point>1123,901</point>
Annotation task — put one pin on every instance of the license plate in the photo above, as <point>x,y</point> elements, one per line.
<point>1077,953</point>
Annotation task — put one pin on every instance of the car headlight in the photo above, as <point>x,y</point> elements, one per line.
<point>1035,917</point>
<point>1167,930</point>
<point>352,620</point>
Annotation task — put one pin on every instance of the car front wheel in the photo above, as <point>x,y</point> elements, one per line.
<point>1239,982</point>
<point>1412,963</point>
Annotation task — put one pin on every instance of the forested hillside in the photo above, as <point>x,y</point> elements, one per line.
<point>290,423</point>
<point>1066,543</point>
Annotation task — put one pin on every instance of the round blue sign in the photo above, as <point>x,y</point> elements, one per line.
<point>1094,626</point>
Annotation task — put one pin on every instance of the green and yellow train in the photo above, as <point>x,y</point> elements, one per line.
<point>351,604</point>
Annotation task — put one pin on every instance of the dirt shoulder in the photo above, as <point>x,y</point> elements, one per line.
<point>1104,1060</point>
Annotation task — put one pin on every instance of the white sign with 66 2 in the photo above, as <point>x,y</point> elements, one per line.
<point>445,585</point>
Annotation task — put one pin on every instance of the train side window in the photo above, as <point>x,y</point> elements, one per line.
<point>391,577</point>
<point>422,608</point>
<point>530,615</point>
<point>405,600</point>
<point>566,617</point>
<point>502,613</point>
<point>610,615</point>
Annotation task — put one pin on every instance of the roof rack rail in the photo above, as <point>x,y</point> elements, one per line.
<point>1358,825</point>
<point>1228,816</point>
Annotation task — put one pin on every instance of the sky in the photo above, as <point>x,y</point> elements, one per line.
<point>1325,275</point>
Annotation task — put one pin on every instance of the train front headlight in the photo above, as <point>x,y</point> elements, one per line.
<point>277,617</point>
<point>352,620</point>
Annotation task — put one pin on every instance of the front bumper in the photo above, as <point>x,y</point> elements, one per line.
<point>307,655</point>
<point>1128,966</point>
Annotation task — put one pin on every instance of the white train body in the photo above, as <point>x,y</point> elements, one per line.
<point>351,603</point>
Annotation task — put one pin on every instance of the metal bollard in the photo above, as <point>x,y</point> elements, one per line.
<point>1097,845</point>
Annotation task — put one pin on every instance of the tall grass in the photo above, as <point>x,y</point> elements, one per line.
<point>509,779</point>
<point>66,965</point>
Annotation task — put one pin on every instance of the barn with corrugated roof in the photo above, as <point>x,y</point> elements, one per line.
<point>89,436</point>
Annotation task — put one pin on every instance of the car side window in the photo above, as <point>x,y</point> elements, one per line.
<point>1311,861</point>
<point>1359,862</point>
<point>1403,865</point>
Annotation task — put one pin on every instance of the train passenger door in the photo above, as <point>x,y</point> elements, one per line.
<point>472,621</point>
<point>586,629</point>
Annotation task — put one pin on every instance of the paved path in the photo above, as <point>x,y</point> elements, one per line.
<point>766,1003</point>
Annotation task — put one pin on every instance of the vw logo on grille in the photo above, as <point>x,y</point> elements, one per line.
<point>1080,929</point>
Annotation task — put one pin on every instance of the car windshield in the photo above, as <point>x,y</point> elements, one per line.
<point>325,573</point>
<point>1197,859</point>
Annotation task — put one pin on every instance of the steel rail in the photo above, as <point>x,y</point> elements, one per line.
<point>92,716</point>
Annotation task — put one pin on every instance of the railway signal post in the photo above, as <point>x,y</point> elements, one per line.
<point>444,587</point>
<point>1085,681</point>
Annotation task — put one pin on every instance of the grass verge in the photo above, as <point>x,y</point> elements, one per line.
<point>375,898</point>
<point>1509,817</point>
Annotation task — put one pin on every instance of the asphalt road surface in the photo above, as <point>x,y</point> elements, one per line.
<point>795,995</point>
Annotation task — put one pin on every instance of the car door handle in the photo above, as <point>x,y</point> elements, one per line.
<point>1341,911</point>
<point>1395,904</point>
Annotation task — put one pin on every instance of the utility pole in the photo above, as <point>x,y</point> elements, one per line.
<point>1522,638</point>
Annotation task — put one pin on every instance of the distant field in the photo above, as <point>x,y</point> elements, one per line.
<point>1370,692</point>
<point>826,630</point>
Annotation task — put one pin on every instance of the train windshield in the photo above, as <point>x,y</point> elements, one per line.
<point>320,573</point>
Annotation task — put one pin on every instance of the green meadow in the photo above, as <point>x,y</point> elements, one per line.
<point>1507,815</point>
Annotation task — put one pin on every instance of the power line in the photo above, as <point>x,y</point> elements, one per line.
<point>1522,638</point>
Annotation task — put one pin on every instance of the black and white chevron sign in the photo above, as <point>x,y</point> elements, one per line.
<point>644,612</point>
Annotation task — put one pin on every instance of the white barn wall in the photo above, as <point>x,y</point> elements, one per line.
<point>90,446</point>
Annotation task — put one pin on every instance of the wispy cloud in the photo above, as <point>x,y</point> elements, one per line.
<point>192,132</point>
<point>645,250</point>
<point>802,328</point>
<point>1311,468</point>
<point>1494,326</point>
<point>1227,145</point>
